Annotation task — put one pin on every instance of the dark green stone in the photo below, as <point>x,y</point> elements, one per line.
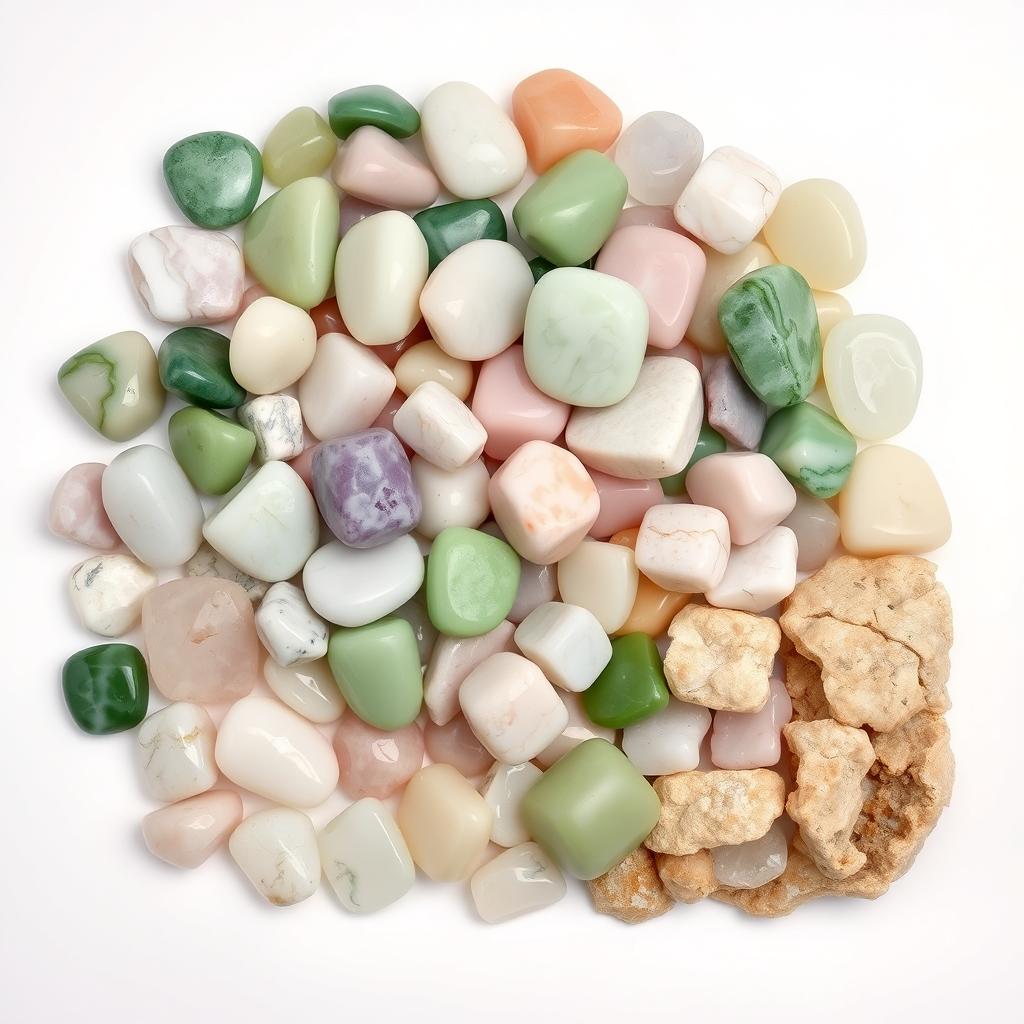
<point>631,686</point>
<point>372,104</point>
<point>194,365</point>
<point>447,227</point>
<point>106,688</point>
<point>814,450</point>
<point>214,177</point>
<point>540,266</point>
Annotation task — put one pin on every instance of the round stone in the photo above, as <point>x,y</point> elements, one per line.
<point>426,361</point>
<point>374,762</point>
<point>194,365</point>
<point>106,688</point>
<point>272,345</point>
<point>658,154</point>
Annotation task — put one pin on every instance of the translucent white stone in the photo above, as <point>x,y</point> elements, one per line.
<point>753,864</point>
<point>289,629</point>
<point>566,642</point>
<point>669,741</point>
<point>516,882</point>
<point>308,688</point>
<point>658,153</point>
<point>504,789</point>
<point>107,591</point>
<point>277,851</point>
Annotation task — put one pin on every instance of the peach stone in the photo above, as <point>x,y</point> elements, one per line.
<point>654,608</point>
<point>76,508</point>
<point>375,763</point>
<point>455,744</point>
<point>186,833</point>
<point>623,502</point>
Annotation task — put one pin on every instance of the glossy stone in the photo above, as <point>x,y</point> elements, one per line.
<point>518,881</point>
<point>277,851</point>
<point>683,548</point>
<point>566,642</point>
<point>427,361</point>
<point>175,752</point>
<point>106,688</point>
<point>194,366</point>
<point>455,497</point>
<point>209,563</point>
<point>300,145</point>
<point>653,608</point>
<point>378,169</point>
<point>439,427</point>
<point>213,450</point>
<point>540,266</point>
<point>374,762</point>
<point>658,153</point>
<point>631,687</point>
<point>504,789</point>
<point>106,592</point>
<point>578,729</point>
<point>272,346</point>
<point>754,863</point>
<point>354,211</point>
<point>669,741</point>
<point>187,833</point>
<point>456,744</point>
<point>375,105</point>
<point>275,422</point>
<point>308,688</point>
<point>758,575</point>
<point>451,225</point>
<point>76,508</point>
<point>814,450</point>
<point>603,579</point>
<point>832,308</point>
<point>733,411</point>
<point>709,442</point>
<point>816,527</point>
<point>742,740</point>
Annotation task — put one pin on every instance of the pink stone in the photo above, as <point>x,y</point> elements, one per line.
<point>76,508</point>
<point>623,502</point>
<point>374,167</point>
<point>250,295</point>
<point>303,462</point>
<point>186,833</point>
<point>648,217</point>
<point>201,641</point>
<point>456,745</point>
<point>375,763</point>
<point>752,740</point>
<point>666,268</point>
<point>354,210</point>
<point>733,409</point>
<point>684,350</point>
<point>512,410</point>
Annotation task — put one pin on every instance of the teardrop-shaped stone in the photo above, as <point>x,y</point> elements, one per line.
<point>451,225</point>
<point>372,104</point>
<point>213,450</point>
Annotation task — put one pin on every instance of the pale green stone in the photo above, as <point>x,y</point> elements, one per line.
<point>300,145</point>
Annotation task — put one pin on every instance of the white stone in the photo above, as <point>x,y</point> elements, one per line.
<point>659,153</point>
<point>652,432</point>
<point>152,506</point>
<point>566,642</point>
<point>728,199</point>
<point>669,741</point>
<point>602,578</point>
<point>577,729</point>
<point>504,789</point>
<point>516,882</point>
<point>456,497</point>
<point>107,592</point>
<point>683,548</point>
<point>175,747</point>
<point>207,562</point>
<point>272,345</point>
<point>437,425</point>
<point>289,629</point>
<point>355,586</point>
<point>365,858</point>
<point>277,851</point>
<point>758,575</point>
<point>755,863</point>
<point>473,146</point>
<point>309,689</point>
<point>512,708</point>
<point>276,420</point>
<point>474,302</point>
<point>273,752</point>
<point>538,584</point>
<point>268,525</point>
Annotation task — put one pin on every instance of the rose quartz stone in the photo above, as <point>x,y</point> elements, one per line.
<point>684,350</point>
<point>512,410</point>
<point>747,487</point>
<point>354,210</point>
<point>648,217</point>
<point>376,763</point>
<point>201,640</point>
<point>623,502</point>
<point>374,167</point>
<point>76,508</point>
<point>455,744</point>
<point>186,833</point>
<point>666,268</point>
<point>752,740</point>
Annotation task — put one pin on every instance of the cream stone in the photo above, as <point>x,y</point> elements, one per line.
<point>440,427</point>
<point>603,579</point>
<point>107,591</point>
<point>272,345</point>
<point>518,881</point>
<point>428,361</point>
<point>567,642</point>
<point>277,851</point>
<point>683,548</point>
<point>289,629</point>
<point>175,752</point>
<point>456,497</point>
<point>831,307</point>
<point>578,728</point>
<point>185,834</point>
<point>758,575</point>
<point>504,789</point>
<point>308,688</point>
<point>669,741</point>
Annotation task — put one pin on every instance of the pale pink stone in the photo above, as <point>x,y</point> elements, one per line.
<point>250,295</point>
<point>377,168</point>
<point>733,409</point>
<point>303,462</point>
<point>684,350</point>
<point>456,745</point>
<point>623,502</point>
<point>511,408</point>
<point>648,217</point>
<point>76,508</point>
<point>201,640</point>
<point>373,762</point>
<point>666,268</point>
<point>186,833</point>
<point>752,740</point>
<point>747,487</point>
<point>354,210</point>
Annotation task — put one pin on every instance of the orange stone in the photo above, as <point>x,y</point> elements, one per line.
<point>653,608</point>
<point>558,113</point>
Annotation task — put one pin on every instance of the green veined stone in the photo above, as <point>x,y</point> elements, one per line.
<point>814,450</point>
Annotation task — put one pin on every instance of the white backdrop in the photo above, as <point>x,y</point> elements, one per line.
<point>914,106</point>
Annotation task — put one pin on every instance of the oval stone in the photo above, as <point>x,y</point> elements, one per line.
<point>659,153</point>
<point>194,365</point>
<point>300,145</point>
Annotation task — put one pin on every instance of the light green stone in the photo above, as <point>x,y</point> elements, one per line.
<point>213,450</point>
<point>300,145</point>
<point>291,240</point>
<point>814,450</point>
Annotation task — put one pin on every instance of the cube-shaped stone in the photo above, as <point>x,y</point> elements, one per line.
<point>683,548</point>
<point>758,575</point>
<point>437,425</point>
<point>602,578</point>
<point>631,687</point>
<point>566,642</point>
<point>276,422</point>
<point>516,882</point>
<point>669,741</point>
<point>814,450</point>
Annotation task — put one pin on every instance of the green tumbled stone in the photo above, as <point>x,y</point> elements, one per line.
<point>448,226</point>
<point>106,688</point>
<point>213,450</point>
<point>472,579</point>
<point>771,327</point>
<point>569,211</point>
<point>194,366</point>
<point>814,450</point>
<point>590,809</point>
<point>709,442</point>
<point>300,145</point>
<point>377,669</point>
<point>631,687</point>
<point>540,266</point>
<point>372,104</point>
<point>214,177</point>
<point>291,240</point>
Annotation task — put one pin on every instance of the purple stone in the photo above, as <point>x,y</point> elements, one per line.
<point>733,409</point>
<point>364,488</point>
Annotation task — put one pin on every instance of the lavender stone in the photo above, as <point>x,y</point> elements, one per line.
<point>364,488</point>
<point>733,409</point>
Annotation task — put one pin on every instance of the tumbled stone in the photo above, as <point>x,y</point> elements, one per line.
<point>504,789</point>
<point>814,450</point>
<point>308,688</point>
<point>300,145</point>
<point>175,752</point>
<point>378,169</point>
<point>187,833</point>
<point>107,591</point>
<point>213,450</point>
<point>752,739</point>
<point>659,153</point>
<point>375,105</point>
<point>516,882</point>
<point>208,562</point>
<point>106,688</point>
<point>375,762</point>
<point>451,225</point>
<point>194,365</point>
<point>277,851</point>
<point>289,629</point>
<point>276,424</point>
<point>455,744</point>
<point>758,575</point>
<point>734,411</point>
<point>76,508</point>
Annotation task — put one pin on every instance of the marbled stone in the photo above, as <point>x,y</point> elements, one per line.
<point>733,410</point>
<point>76,508</point>
<point>187,833</point>
<point>175,752</point>
<point>210,563</point>
<point>659,153</point>
<point>277,851</point>
<point>107,591</point>
<point>518,881</point>
<point>276,424</point>
<point>194,365</point>
<point>290,630</point>
<point>376,762</point>
<point>814,450</point>
<point>106,688</point>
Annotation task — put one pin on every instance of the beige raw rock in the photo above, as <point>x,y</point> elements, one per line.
<point>721,659</point>
<point>632,890</point>
<point>687,879</point>
<point>832,760</point>
<point>881,630</point>
<point>701,810</point>
<point>803,683</point>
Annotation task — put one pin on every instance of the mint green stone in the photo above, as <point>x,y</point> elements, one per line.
<point>372,104</point>
<point>291,240</point>
<point>814,450</point>
<point>570,210</point>
<point>377,669</point>
<point>194,365</point>
<point>451,225</point>
<point>631,687</point>
<point>771,327</point>
<point>590,809</point>
<point>213,451</point>
<point>709,442</point>
<point>472,579</point>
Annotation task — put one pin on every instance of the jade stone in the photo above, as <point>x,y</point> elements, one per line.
<point>451,225</point>
<point>300,145</point>
<point>377,669</point>
<point>472,579</point>
<point>590,809</point>
<point>214,177</point>
<point>709,442</point>
<point>814,450</point>
<point>291,239</point>
<point>213,451</point>
<point>372,104</point>
<point>540,266</point>
<point>569,211</point>
<point>771,327</point>
<point>106,688</point>
<point>194,366</point>
<point>631,687</point>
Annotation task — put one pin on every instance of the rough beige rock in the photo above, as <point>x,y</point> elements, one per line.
<point>687,879</point>
<point>832,760</point>
<point>881,630</point>
<point>721,659</point>
<point>803,683</point>
<point>632,891</point>
<point>701,810</point>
